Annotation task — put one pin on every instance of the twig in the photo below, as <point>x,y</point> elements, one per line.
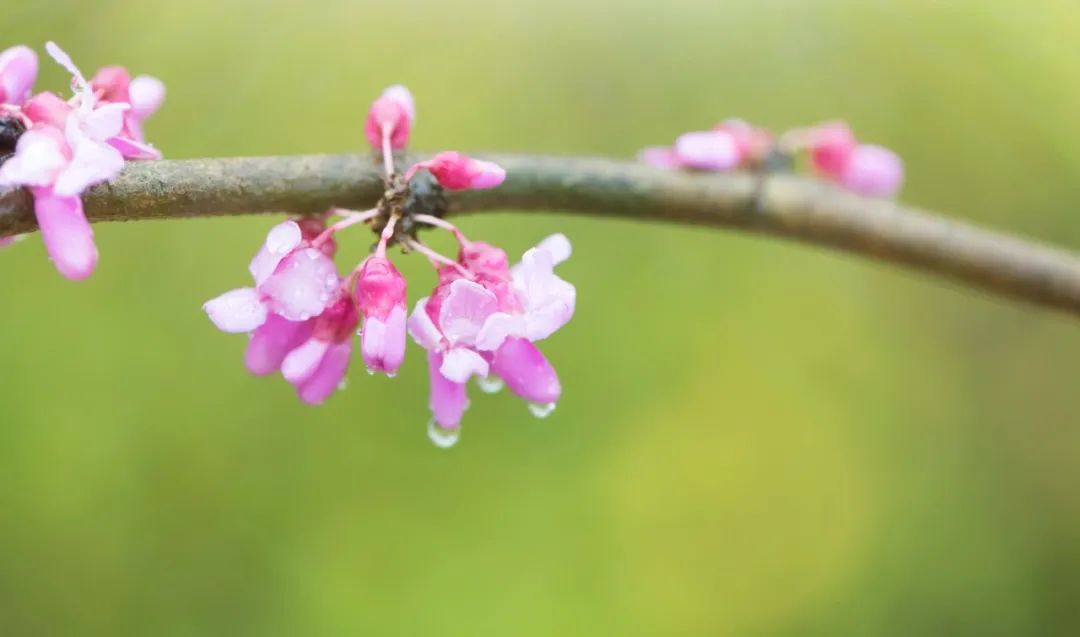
<point>780,205</point>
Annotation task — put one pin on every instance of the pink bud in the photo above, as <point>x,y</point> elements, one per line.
<point>18,70</point>
<point>484,257</point>
<point>873,171</point>
<point>392,114</point>
<point>455,171</point>
<point>831,146</point>
<point>147,94</point>
<point>752,143</point>
<point>707,150</point>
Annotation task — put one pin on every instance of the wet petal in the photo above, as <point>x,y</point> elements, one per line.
<point>272,341</point>
<point>301,363</point>
<point>327,378</point>
<point>448,400</point>
<point>382,343</point>
<point>460,363</point>
<point>526,371</point>
<point>422,328</point>
<point>464,311</point>
<point>237,311</point>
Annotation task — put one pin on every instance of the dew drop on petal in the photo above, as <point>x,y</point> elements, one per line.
<point>541,411</point>
<point>490,384</point>
<point>443,438</point>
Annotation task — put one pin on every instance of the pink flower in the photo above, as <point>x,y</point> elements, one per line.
<point>144,94</point>
<point>18,71</point>
<point>455,171</point>
<point>292,279</point>
<point>487,325</point>
<point>862,168</point>
<point>391,117</point>
<point>380,296</point>
<point>67,150</point>
<point>752,143</point>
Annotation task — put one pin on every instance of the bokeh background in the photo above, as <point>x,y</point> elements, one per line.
<point>757,438</point>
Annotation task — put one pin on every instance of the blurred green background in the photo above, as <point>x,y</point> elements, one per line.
<point>757,438</point>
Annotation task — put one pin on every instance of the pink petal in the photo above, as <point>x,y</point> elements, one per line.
<point>402,96</point>
<point>526,371</point>
<point>392,111</point>
<point>131,149</point>
<point>464,311</point>
<point>448,400</point>
<point>113,83</point>
<point>280,241</point>
<point>66,233</point>
<point>64,60</point>
<point>486,175</point>
<point>93,162</point>
<point>659,157</point>
<point>873,171</point>
<point>237,311</point>
<point>423,329</point>
<point>327,378</point>
<point>548,300</point>
<point>558,246</point>
<point>496,329</point>
<point>272,341</point>
<point>382,343</point>
<point>461,363</point>
<point>18,70</point>
<point>302,285</point>
<point>831,146</point>
<point>40,155</point>
<point>48,108</point>
<point>707,150</point>
<point>147,95</point>
<point>301,363</point>
<point>104,122</point>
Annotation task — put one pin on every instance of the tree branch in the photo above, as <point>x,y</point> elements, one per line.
<point>781,205</point>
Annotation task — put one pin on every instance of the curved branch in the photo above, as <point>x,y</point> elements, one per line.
<point>781,205</point>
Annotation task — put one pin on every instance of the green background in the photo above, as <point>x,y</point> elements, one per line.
<point>756,437</point>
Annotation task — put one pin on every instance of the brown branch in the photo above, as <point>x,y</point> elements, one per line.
<point>781,205</point>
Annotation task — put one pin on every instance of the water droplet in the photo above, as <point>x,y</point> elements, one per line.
<point>541,411</point>
<point>391,374</point>
<point>370,372</point>
<point>490,384</point>
<point>442,437</point>
<point>343,385</point>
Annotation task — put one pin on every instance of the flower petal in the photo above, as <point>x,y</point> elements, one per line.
<point>383,342</point>
<point>132,149</point>
<point>422,329</point>
<point>280,241</point>
<point>464,311</point>
<point>40,155</point>
<point>707,150</point>
<point>302,285</point>
<point>526,371</point>
<point>327,378</point>
<point>448,400</point>
<point>301,363</point>
<point>18,71</point>
<point>461,363</point>
<point>496,329</point>
<point>93,162</point>
<point>237,311</point>
<point>549,301</point>
<point>272,341</point>
<point>66,233</point>
<point>147,94</point>
<point>659,157</point>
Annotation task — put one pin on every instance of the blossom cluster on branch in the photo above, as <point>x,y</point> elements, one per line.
<point>482,319</point>
<point>59,148</point>
<point>834,154</point>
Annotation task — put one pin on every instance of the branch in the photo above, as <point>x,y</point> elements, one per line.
<point>780,205</point>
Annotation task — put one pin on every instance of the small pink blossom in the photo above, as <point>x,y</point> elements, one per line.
<point>391,117</point>
<point>659,157</point>
<point>380,296</point>
<point>317,366</point>
<point>18,71</point>
<point>866,169</point>
<point>707,150</point>
<point>455,171</point>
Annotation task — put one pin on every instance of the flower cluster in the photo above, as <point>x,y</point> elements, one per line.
<point>833,150</point>
<point>482,319</point>
<point>59,148</point>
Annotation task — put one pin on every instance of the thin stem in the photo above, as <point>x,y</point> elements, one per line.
<point>781,205</point>
<point>436,258</point>
<point>387,234</point>
<point>387,151</point>
<point>444,224</point>
<point>351,220</point>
